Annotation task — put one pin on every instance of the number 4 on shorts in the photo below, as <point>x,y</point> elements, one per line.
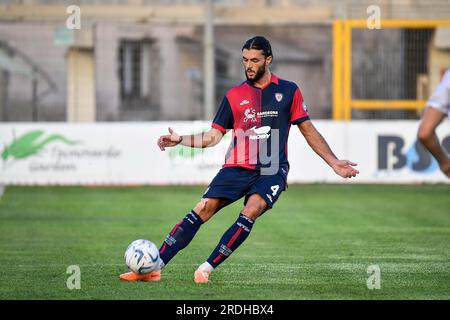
<point>274,189</point>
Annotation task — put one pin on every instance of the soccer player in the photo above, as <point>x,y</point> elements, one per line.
<point>438,106</point>
<point>260,112</point>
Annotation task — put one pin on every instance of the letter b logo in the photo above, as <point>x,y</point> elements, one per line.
<point>388,147</point>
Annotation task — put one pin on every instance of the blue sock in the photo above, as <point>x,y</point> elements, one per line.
<point>231,240</point>
<point>180,236</point>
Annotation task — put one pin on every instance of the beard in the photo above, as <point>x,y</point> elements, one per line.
<point>258,75</point>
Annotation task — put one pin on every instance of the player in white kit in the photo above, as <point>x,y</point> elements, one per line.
<point>438,106</point>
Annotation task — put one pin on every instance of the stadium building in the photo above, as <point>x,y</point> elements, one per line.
<point>142,60</point>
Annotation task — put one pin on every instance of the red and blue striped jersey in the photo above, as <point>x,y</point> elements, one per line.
<point>260,119</point>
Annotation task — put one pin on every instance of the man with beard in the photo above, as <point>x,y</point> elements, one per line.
<point>260,112</point>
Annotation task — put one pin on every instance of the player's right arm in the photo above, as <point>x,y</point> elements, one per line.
<point>223,121</point>
<point>201,140</point>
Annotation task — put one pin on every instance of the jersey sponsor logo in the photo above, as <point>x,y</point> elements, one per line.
<point>278,96</point>
<point>261,130</point>
<point>305,107</point>
<point>264,114</point>
<point>250,114</point>
<point>244,102</point>
<point>260,133</point>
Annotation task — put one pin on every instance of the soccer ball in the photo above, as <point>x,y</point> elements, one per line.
<point>142,256</point>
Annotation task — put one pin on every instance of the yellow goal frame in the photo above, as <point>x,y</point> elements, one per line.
<point>342,67</point>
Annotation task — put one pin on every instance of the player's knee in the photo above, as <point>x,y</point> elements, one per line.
<point>254,209</point>
<point>204,210</point>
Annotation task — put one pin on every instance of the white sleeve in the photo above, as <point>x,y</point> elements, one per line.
<point>440,99</point>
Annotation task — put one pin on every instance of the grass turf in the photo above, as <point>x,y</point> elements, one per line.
<point>317,243</point>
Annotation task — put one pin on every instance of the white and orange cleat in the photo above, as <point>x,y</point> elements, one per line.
<point>201,275</point>
<point>131,276</point>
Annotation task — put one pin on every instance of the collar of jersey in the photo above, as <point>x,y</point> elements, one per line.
<point>273,79</point>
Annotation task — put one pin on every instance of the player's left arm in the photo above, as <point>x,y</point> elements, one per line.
<point>317,142</point>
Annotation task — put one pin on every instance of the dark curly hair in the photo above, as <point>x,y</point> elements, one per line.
<point>259,43</point>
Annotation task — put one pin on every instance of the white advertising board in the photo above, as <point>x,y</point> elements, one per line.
<point>127,154</point>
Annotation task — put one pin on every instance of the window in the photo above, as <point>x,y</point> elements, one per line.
<point>138,71</point>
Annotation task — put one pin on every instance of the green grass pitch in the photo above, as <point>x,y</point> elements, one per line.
<point>317,243</point>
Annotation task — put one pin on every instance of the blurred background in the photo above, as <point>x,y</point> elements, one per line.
<point>143,60</point>
<point>86,61</point>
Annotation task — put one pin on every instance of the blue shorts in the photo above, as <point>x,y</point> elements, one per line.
<point>232,183</point>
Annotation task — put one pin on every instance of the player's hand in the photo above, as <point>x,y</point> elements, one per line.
<point>345,169</point>
<point>169,140</point>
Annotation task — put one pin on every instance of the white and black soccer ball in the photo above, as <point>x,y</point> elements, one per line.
<point>142,256</point>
